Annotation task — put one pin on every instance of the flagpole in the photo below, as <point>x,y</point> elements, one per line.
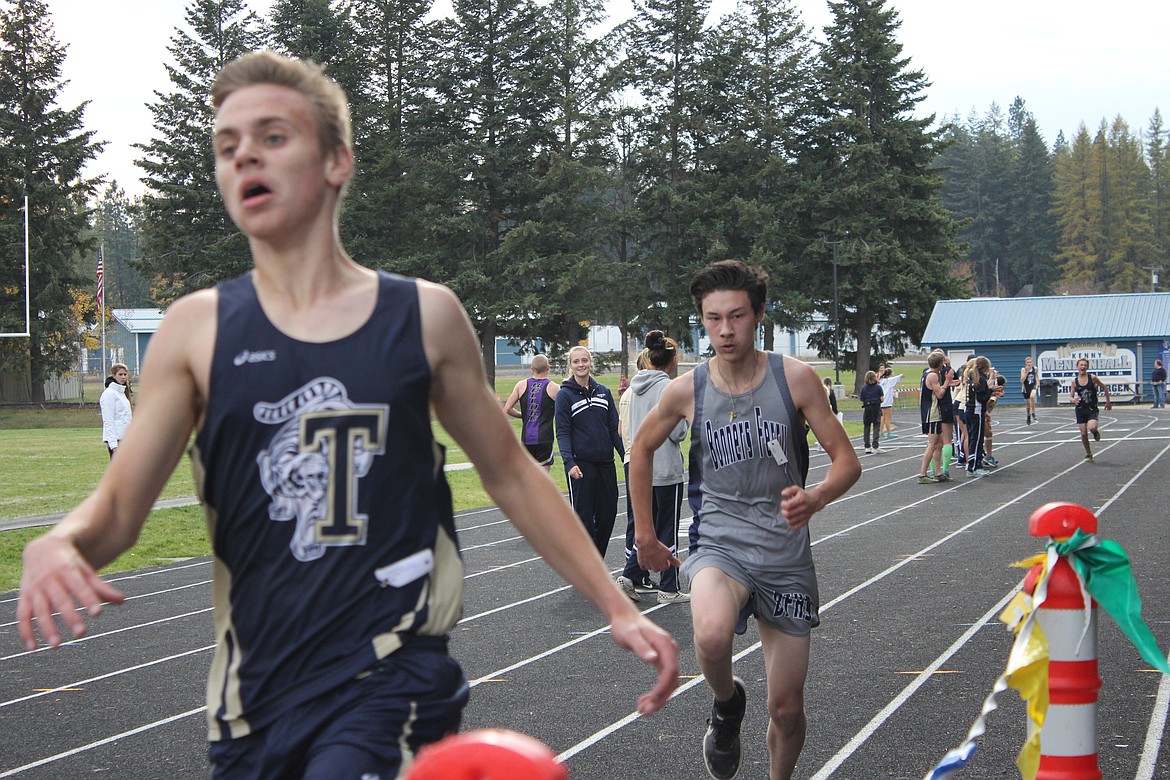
<point>102,301</point>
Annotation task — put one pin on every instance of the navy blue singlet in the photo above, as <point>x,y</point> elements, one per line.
<point>328,510</point>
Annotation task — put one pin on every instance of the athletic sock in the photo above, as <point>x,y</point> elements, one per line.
<point>948,452</point>
<point>732,706</point>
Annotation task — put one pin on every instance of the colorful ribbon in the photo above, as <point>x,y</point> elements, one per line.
<point>1104,571</point>
<point>1026,671</point>
<point>1104,574</point>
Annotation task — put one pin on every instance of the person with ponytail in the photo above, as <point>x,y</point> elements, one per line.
<point>666,503</point>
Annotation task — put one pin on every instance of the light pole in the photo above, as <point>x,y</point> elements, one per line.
<point>1154,271</point>
<point>836,317</point>
<point>836,323</point>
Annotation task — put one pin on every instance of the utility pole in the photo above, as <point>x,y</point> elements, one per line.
<point>836,317</point>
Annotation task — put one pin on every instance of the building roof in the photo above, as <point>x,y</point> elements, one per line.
<point>139,320</point>
<point>1056,318</point>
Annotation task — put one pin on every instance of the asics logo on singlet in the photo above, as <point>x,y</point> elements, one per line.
<point>248,356</point>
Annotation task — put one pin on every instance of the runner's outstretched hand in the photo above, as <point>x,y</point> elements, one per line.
<point>655,646</point>
<point>57,579</point>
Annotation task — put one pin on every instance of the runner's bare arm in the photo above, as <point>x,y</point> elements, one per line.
<point>936,388</point>
<point>514,398</point>
<point>60,568</point>
<point>1105,389</point>
<point>467,409</point>
<point>799,505</point>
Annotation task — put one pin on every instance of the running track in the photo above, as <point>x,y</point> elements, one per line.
<point>911,579</point>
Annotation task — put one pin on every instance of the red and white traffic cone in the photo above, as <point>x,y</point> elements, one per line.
<point>1068,739</point>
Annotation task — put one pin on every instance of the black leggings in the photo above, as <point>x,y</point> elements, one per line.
<point>871,418</point>
<point>594,497</point>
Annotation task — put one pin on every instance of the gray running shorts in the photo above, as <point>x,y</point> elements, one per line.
<point>787,601</point>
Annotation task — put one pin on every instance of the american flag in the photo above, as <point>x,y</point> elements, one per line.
<point>101,289</point>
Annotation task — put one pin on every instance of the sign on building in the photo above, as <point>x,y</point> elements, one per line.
<point>1117,368</point>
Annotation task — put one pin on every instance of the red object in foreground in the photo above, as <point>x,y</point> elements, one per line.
<point>1068,740</point>
<point>487,754</point>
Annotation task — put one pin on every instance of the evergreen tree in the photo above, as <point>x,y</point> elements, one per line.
<point>757,69</point>
<point>561,254</point>
<point>497,93</point>
<point>321,31</point>
<point>1031,229</point>
<point>402,179</point>
<point>43,149</point>
<point>987,233</point>
<point>869,165</point>
<point>1129,247</point>
<point>664,45</point>
<point>188,240</point>
<point>115,225</point>
<point>956,165</point>
<point>1077,206</point>
<point>631,299</point>
<point>1158,157</point>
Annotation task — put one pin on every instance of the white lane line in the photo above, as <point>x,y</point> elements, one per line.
<point>896,703</point>
<point>598,736</point>
<point>104,634</point>
<point>1155,731</point>
<point>152,594</point>
<point>101,742</point>
<point>107,676</point>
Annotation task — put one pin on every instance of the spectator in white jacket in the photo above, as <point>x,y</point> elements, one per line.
<point>888,380</point>
<point>115,404</point>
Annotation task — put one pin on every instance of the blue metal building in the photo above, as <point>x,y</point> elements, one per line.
<point>1121,335</point>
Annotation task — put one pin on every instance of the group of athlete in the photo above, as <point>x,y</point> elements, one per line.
<point>310,383</point>
<point>956,411</point>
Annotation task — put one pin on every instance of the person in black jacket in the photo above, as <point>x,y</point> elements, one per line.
<point>1158,382</point>
<point>978,378</point>
<point>587,435</point>
<point>871,410</point>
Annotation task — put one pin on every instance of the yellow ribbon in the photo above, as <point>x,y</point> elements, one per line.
<point>1027,665</point>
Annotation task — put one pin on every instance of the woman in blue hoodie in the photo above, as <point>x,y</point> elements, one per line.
<point>587,435</point>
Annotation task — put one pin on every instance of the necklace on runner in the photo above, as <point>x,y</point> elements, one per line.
<point>731,390</point>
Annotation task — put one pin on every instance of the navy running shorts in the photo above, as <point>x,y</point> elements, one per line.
<point>541,452</point>
<point>367,729</point>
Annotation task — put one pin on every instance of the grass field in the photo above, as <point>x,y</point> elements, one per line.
<point>52,457</point>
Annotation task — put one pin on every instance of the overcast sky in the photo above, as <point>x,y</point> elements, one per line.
<point>1071,61</point>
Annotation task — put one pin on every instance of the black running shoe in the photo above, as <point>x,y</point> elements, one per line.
<point>1096,435</point>
<point>645,586</point>
<point>722,750</point>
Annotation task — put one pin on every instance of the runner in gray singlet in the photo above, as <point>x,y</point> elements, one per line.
<point>750,551</point>
<point>742,480</point>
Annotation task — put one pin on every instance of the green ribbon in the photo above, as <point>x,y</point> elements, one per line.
<point>1103,567</point>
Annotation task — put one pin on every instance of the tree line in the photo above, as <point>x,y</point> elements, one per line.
<point>1090,215</point>
<point>552,169</point>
